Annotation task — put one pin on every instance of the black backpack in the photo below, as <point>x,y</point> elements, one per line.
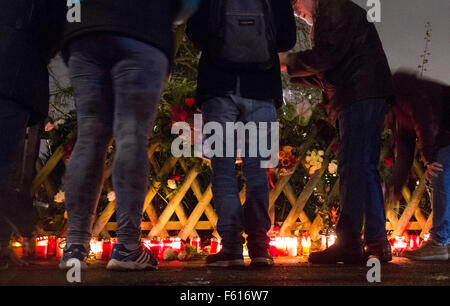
<point>244,34</point>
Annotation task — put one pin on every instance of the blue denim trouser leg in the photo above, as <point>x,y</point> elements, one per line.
<point>233,218</point>
<point>440,199</point>
<point>360,127</point>
<point>117,82</point>
<point>13,123</point>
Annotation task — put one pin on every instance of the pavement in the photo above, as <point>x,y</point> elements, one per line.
<point>293,271</point>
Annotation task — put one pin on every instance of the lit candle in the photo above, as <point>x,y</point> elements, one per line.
<point>414,242</point>
<point>176,244</point>
<point>106,253</point>
<point>215,246</point>
<point>51,249</point>
<point>60,245</point>
<point>196,242</point>
<point>96,248</point>
<point>331,239</point>
<point>292,245</point>
<point>41,247</point>
<point>400,243</point>
<point>17,248</point>
<point>306,245</point>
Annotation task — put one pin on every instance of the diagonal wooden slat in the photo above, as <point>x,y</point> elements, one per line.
<point>305,195</point>
<point>47,169</point>
<point>174,202</point>
<point>413,204</point>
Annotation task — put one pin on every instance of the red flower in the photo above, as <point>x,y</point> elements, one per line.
<point>176,177</point>
<point>190,102</point>
<point>388,161</point>
<point>334,148</point>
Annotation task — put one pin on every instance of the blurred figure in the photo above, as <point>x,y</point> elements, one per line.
<point>29,37</point>
<point>119,56</point>
<point>422,111</point>
<point>239,81</point>
<point>347,62</point>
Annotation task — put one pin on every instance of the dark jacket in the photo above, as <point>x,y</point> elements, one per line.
<point>149,21</point>
<point>347,61</point>
<point>421,110</point>
<point>215,81</point>
<point>29,37</point>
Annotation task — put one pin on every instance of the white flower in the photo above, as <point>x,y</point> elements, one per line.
<point>49,126</point>
<point>170,254</point>
<point>111,196</point>
<point>59,122</point>
<point>59,197</point>
<point>172,184</point>
<point>332,167</point>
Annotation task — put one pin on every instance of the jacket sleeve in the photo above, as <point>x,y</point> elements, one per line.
<point>331,45</point>
<point>285,23</point>
<point>197,26</point>
<point>405,148</point>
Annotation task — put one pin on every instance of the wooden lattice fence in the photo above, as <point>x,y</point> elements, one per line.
<point>187,225</point>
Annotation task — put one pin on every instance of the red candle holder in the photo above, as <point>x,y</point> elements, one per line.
<point>216,246</point>
<point>196,242</point>
<point>51,248</point>
<point>60,245</point>
<point>41,247</point>
<point>414,242</point>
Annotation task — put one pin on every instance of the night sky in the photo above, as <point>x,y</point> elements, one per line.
<point>402,32</point>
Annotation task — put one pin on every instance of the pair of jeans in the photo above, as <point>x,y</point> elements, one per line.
<point>13,123</point>
<point>439,188</point>
<point>117,83</point>
<point>253,216</point>
<point>360,126</point>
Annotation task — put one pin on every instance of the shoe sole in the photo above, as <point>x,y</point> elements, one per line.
<point>261,262</point>
<point>63,266</point>
<point>442,257</point>
<point>117,265</point>
<point>227,263</point>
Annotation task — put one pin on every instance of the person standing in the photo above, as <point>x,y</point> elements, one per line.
<point>118,56</point>
<point>348,64</point>
<point>422,110</point>
<point>239,81</point>
<point>29,39</point>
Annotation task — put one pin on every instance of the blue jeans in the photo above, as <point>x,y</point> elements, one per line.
<point>439,188</point>
<point>253,216</point>
<point>13,123</point>
<point>360,127</point>
<point>117,83</point>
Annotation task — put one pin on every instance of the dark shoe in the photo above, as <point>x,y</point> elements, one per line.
<point>225,260</point>
<point>260,258</point>
<point>337,253</point>
<point>381,250</point>
<point>76,251</point>
<point>123,259</point>
<point>430,250</point>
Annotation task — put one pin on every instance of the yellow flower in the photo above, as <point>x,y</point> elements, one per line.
<point>59,197</point>
<point>111,196</point>
<point>172,184</point>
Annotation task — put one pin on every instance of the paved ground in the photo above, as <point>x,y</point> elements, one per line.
<point>286,272</point>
